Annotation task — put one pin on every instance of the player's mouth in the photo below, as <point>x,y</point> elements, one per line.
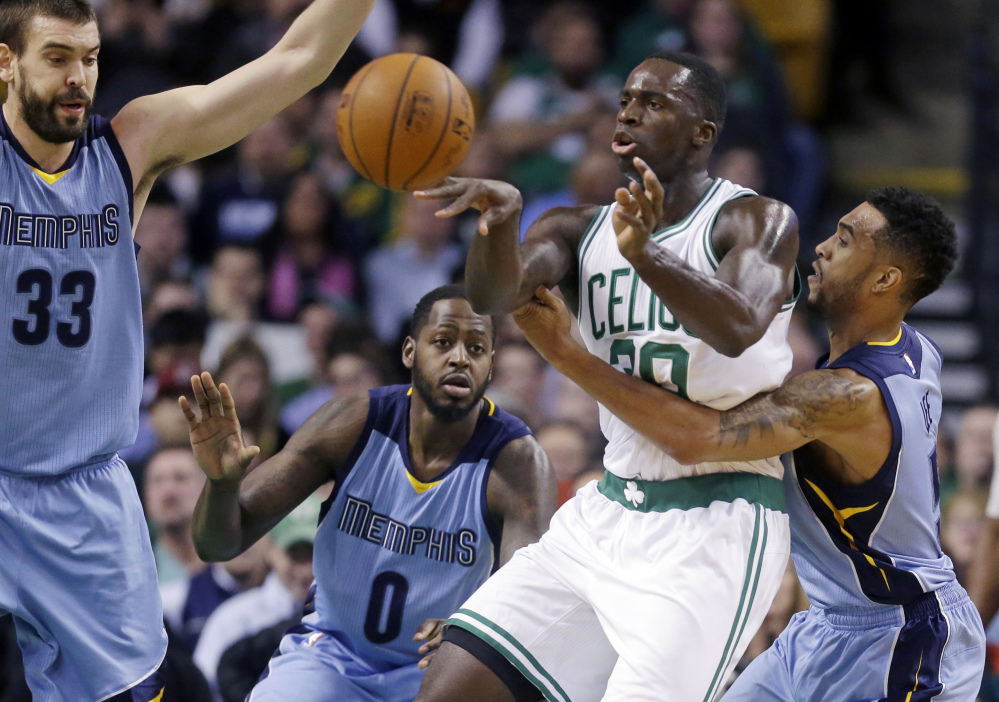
<point>623,143</point>
<point>74,108</point>
<point>817,275</point>
<point>457,385</point>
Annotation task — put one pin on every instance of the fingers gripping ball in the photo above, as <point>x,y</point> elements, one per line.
<point>405,121</point>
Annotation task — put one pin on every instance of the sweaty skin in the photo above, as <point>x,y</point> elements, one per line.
<point>663,143</point>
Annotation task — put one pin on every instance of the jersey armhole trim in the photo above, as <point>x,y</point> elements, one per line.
<point>341,474</point>
<point>709,245</point>
<point>105,130</point>
<point>591,232</point>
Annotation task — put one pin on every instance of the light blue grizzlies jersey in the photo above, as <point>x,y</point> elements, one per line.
<point>392,551</point>
<point>877,543</point>
<point>71,351</point>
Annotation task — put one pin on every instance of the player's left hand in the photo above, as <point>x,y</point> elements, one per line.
<point>546,323</point>
<point>639,211</point>
<point>431,632</point>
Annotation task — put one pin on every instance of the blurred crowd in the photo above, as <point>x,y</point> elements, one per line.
<point>291,278</point>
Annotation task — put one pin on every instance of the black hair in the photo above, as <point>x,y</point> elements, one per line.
<point>16,15</point>
<point>445,292</point>
<point>707,84</point>
<point>920,232</point>
<point>178,327</point>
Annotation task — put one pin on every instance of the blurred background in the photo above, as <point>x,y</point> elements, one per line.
<point>291,278</point>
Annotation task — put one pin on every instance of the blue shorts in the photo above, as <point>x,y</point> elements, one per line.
<point>77,572</point>
<point>313,666</point>
<point>932,649</point>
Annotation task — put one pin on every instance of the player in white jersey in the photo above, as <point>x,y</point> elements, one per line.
<point>650,584</point>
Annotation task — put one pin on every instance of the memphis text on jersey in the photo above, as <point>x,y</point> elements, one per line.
<point>48,231</point>
<point>359,519</point>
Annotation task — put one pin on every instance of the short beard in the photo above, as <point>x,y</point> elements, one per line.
<point>446,413</point>
<point>40,114</point>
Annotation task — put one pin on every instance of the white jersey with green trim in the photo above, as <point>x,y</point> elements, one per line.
<point>623,322</point>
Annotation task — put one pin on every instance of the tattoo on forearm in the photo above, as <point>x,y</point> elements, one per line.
<point>801,404</point>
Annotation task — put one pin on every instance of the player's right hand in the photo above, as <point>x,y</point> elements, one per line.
<point>216,439</point>
<point>496,200</point>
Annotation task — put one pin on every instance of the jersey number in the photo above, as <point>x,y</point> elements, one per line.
<point>622,357</point>
<point>377,616</point>
<point>38,282</point>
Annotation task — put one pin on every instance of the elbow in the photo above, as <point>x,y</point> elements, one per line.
<point>737,339</point>
<point>486,301</point>
<point>213,552</point>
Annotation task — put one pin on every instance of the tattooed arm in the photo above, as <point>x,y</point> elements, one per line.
<point>839,408</point>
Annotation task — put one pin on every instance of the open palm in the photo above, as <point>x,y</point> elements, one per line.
<point>216,439</point>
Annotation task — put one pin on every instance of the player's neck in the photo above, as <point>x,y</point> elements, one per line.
<point>49,157</point>
<point>433,443</point>
<point>846,333</point>
<point>681,195</point>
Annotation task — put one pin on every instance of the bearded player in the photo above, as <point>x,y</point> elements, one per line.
<point>650,586</point>
<point>76,568</point>
<point>888,620</point>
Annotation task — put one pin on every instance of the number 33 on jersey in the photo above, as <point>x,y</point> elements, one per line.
<point>70,310</point>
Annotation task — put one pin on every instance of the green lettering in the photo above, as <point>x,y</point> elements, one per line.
<point>666,320</point>
<point>632,324</point>
<point>615,299</point>
<point>602,279</point>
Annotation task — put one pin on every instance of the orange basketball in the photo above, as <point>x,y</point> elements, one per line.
<point>405,121</point>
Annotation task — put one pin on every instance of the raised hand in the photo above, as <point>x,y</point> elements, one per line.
<point>638,213</point>
<point>216,439</point>
<point>496,200</point>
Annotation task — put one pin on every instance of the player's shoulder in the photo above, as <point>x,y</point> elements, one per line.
<point>504,423</point>
<point>756,218</point>
<point>759,208</point>
<point>567,223</point>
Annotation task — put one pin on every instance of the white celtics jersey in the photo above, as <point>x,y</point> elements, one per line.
<point>625,324</point>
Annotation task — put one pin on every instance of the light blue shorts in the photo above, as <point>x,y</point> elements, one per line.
<point>933,649</point>
<point>313,666</point>
<point>77,572</point>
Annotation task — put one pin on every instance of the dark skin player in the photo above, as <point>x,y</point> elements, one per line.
<point>451,361</point>
<point>839,413</point>
<point>663,141</point>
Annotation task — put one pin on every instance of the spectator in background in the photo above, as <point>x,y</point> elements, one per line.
<point>172,487</point>
<point>398,275</point>
<point>280,597</point>
<point>308,265</point>
<point>162,235</point>
<point>962,517</point>
<point>187,604</point>
<point>595,178</point>
<point>742,164</point>
<point>540,121</point>
<point>518,384</point>
<point>318,321</point>
<point>235,284</point>
<point>171,295</point>
<point>466,35</point>
<point>973,452</point>
<point>362,202</point>
<point>242,664</point>
<point>242,206</point>
<point>573,404</point>
<point>256,37</point>
<point>759,107</point>
<point>660,26</point>
<point>353,362</point>
<point>245,369</point>
<point>570,452</point>
<point>984,581</point>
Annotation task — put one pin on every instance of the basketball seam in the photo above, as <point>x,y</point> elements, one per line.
<point>440,139</point>
<point>353,140</point>
<point>395,116</point>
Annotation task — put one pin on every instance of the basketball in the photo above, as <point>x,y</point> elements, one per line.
<point>405,121</point>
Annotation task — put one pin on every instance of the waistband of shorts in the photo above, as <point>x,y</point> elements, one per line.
<point>947,597</point>
<point>93,464</point>
<point>694,491</point>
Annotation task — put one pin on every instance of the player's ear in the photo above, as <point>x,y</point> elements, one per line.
<point>706,133</point>
<point>6,69</point>
<point>409,352</point>
<point>889,279</point>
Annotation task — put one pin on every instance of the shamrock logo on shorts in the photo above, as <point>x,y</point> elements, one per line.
<point>632,494</point>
